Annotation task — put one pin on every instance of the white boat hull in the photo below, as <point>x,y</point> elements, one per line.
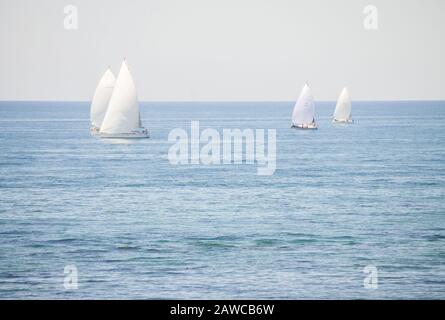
<point>343,121</point>
<point>311,126</point>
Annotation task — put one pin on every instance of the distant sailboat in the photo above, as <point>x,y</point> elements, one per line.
<point>303,116</point>
<point>101,98</point>
<point>342,111</point>
<point>123,119</point>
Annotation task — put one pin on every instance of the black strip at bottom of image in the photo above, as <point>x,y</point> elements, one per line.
<point>221,309</point>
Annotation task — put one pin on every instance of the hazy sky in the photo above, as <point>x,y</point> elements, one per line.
<point>224,49</point>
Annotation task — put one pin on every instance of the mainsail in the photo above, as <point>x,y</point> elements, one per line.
<point>304,110</point>
<point>343,108</point>
<point>101,98</point>
<point>123,110</point>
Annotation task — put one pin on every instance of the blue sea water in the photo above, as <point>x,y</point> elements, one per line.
<point>342,198</point>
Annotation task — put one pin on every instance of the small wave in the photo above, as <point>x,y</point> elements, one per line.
<point>214,245</point>
<point>127,247</point>
<point>435,237</point>
<point>267,242</point>
<point>65,240</point>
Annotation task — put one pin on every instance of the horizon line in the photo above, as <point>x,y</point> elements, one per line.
<point>231,101</point>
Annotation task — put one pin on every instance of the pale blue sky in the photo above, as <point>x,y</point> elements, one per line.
<point>224,49</point>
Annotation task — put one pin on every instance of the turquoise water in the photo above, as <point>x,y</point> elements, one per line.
<point>135,226</point>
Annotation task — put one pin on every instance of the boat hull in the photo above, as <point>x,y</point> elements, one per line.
<point>94,131</point>
<point>343,121</point>
<point>311,126</point>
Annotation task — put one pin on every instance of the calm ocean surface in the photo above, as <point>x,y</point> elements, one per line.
<point>342,198</point>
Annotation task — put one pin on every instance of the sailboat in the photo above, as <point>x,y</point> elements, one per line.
<point>303,116</point>
<point>101,98</point>
<point>123,118</point>
<point>342,111</point>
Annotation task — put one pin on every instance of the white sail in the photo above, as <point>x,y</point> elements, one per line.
<point>304,110</point>
<point>101,98</point>
<point>343,108</point>
<point>123,110</point>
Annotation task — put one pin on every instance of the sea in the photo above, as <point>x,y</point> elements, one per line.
<point>352,211</point>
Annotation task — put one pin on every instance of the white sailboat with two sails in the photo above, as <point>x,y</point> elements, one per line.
<point>122,118</point>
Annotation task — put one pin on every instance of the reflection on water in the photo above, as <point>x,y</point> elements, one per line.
<point>115,140</point>
<point>119,141</point>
